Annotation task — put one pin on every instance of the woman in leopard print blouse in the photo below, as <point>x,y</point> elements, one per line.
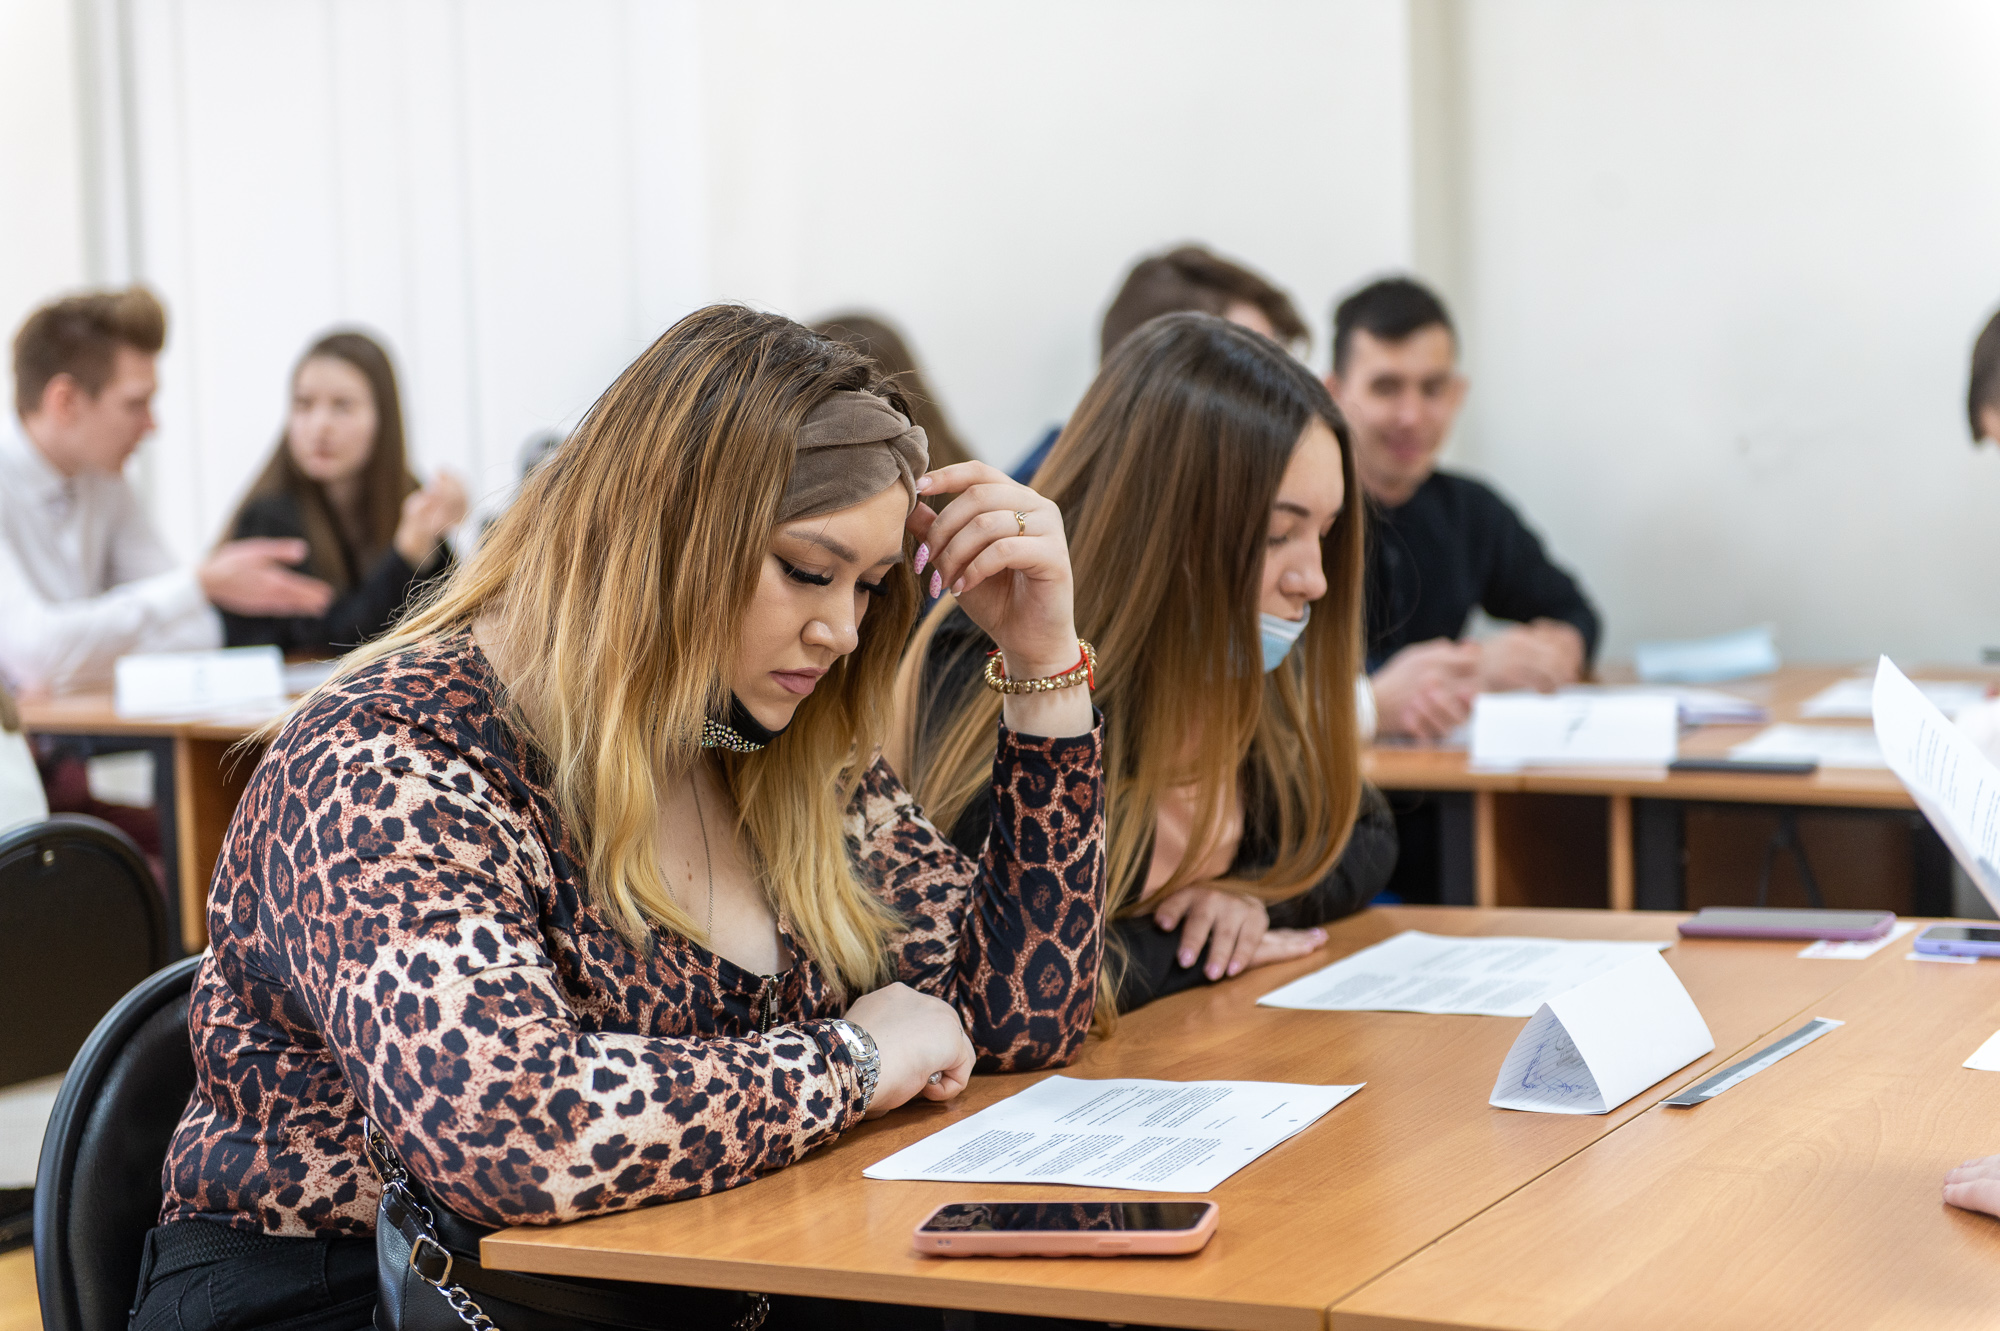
<point>512,888</point>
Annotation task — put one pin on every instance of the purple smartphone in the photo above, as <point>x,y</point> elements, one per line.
<point>1751,922</point>
<point>1959,940</point>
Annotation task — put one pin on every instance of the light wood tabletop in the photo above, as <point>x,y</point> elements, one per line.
<point>1415,1154</point>
<point>1806,1196</point>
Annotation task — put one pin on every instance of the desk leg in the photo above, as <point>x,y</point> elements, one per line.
<point>1485,851</point>
<point>1621,852</point>
<point>209,780</point>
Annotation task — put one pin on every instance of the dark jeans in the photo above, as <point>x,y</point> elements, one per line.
<point>203,1277</point>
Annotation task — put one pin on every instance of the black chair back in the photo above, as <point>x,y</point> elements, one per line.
<point>98,1187</point>
<point>81,922</point>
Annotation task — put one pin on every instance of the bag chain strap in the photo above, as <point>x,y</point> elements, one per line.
<point>395,1179</point>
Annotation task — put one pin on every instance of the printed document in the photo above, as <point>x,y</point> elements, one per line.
<point>1149,1136</point>
<point>1419,972</point>
<point>1829,746</point>
<point>1950,779</point>
<point>1592,1048</point>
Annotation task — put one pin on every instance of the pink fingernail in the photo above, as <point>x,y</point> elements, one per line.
<point>937,584</point>
<point>1186,959</point>
<point>923,483</point>
<point>1235,968</point>
<point>958,587</point>
<point>923,556</point>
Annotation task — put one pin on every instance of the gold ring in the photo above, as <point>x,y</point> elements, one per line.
<point>1021,522</point>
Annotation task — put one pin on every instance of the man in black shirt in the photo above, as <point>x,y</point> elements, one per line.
<point>1440,544</point>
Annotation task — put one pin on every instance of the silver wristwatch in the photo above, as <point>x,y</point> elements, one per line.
<point>867,1057</point>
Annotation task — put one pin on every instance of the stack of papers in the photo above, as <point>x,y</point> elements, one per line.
<point>1419,972</point>
<point>1150,1136</point>
<point>1707,660</point>
<point>1854,699</point>
<point>1829,746</point>
<point>1698,707</point>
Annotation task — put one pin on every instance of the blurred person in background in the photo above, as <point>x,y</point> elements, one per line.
<point>84,576</point>
<point>1441,544</point>
<point>1187,278</point>
<point>339,480</point>
<point>1982,416</point>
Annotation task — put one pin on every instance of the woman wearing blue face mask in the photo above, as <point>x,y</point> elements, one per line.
<point>1205,485</point>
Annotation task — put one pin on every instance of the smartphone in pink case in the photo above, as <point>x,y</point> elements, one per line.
<point>1066,1229</point>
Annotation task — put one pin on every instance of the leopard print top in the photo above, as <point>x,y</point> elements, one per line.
<point>400,929</point>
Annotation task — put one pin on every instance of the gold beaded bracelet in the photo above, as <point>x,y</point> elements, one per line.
<point>1083,672</point>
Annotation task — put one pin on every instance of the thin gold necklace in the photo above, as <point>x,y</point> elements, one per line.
<point>708,860</point>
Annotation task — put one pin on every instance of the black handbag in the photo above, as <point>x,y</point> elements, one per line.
<point>429,1277</point>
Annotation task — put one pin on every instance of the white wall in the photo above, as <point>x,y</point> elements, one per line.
<point>505,191</point>
<point>520,195</point>
<point>41,163</point>
<point>1726,262</point>
<point>985,175</point>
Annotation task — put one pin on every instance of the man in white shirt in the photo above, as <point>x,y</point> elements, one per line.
<point>84,577</point>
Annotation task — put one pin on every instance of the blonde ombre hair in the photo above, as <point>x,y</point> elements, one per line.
<point>1166,476</point>
<point>613,589</point>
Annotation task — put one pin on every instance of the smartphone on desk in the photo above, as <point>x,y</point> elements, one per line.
<point>1757,922</point>
<point>1959,940</point>
<point>1066,1229</point>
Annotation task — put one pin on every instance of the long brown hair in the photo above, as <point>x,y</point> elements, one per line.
<point>1166,476</point>
<point>879,340</point>
<point>337,554</point>
<point>616,584</point>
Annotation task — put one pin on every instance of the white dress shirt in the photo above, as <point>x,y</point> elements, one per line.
<point>84,578</point>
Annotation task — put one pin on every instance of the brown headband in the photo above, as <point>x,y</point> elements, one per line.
<point>853,447</point>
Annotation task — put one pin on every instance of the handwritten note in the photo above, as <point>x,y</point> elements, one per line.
<point>1591,1048</point>
<point>1150,1136</point>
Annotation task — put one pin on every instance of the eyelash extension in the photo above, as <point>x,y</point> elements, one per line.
<point>874,588</point>
<point>797,574</point>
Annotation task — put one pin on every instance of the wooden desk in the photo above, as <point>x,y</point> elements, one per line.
<point>1806,1196</point>
<point>197,782</point>
<point>1495,857</point>
<point>1412,1156</point>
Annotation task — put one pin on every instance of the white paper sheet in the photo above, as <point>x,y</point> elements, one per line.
<point>1595,1046</point>
<point>1986,1058</point>
<point>1149,1136</point>
<point>1574,730</point>
<point>1854,949</point>
<point>195,683</point>
<point>1854,699</point>
<point>1829,746</point>
<point>1698,707</point>
<point>1950,779</point>
<point>1914,955</point>
<point>1419,972</point>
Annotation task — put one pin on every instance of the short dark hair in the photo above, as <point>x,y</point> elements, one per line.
<point>1190,278</point>
<point>1390,309</point>
<point>79,336</point>
<point>1984,390</point>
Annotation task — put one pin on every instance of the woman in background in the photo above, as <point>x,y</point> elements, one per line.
<point>878,340</point>
<point>1205,482</point>
<point>340,480</point>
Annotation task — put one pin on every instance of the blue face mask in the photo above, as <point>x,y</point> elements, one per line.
<point>1278,636</point>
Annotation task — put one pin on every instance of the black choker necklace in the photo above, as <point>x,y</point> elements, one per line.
<point>741,733</point>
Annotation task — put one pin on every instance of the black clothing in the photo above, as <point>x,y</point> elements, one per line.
<point>199,1276</point>
<point>1455,545</point>
<point>363,611</point>
<point>1152,966</point>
